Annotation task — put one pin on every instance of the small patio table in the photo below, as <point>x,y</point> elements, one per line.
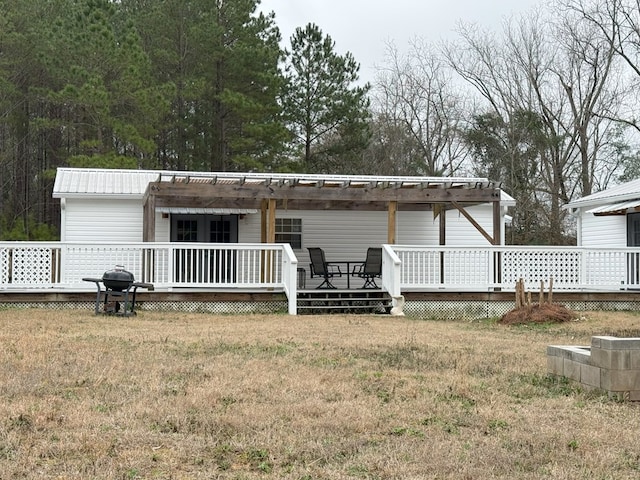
<point>350,271</point>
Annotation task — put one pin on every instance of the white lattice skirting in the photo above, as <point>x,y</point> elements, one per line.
<point>419,309</point>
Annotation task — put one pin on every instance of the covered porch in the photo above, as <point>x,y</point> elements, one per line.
<point>273,193</point>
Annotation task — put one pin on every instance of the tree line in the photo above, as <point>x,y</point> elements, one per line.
<point>546,106</point>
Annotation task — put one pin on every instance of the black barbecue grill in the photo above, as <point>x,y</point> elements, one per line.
<point>119,294</point>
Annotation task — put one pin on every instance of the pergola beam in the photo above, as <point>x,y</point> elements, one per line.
<point>301,192</point>
<point>269,196</point>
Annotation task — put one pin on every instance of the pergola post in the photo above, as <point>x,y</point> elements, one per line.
<point>271,226</point>
<point>391,222</point>
<point>149,218</point>
<point>269,231</point>
<point>264,205</point>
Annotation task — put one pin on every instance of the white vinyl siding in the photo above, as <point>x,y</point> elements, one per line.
<point>604,231</point>
<point>460,232</point>
<point>344,234</point>
<point>107,220</point>
<point>163,226</point>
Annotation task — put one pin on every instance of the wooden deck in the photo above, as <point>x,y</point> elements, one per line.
<point>324,301</point>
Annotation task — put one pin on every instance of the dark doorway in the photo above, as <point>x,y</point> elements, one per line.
<point>209,265</point>
<point>633,258</point>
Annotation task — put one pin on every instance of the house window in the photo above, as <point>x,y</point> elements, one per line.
<point>186,230</point>
<point>289,230</point>
<point>220,231</point>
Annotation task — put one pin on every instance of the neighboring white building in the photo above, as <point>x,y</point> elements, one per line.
<point>108,206</point>
<point>610,218</point>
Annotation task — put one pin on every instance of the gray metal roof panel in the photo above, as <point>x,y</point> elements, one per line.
<point>619,193</point>
<point>133,183</point>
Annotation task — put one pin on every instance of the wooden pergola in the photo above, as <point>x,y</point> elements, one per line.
<point>270,192</point>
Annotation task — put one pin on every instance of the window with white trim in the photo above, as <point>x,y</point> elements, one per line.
<point>289,230</point>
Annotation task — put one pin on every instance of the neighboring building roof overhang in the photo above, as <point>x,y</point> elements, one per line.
<point>619,194</point>
<point>616,209</point>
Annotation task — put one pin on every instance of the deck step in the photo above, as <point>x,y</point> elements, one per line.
<point>321,301</point>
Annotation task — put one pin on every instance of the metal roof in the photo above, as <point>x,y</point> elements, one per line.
<point>87,182</point>
<point>100,182</point>
<point>615,208</point>
<point>618,194</point>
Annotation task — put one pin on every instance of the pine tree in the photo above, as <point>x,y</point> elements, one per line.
<point>325,109</point>
<point>220,60</point>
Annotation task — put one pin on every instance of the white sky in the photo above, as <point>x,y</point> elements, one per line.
<point>364,27</point>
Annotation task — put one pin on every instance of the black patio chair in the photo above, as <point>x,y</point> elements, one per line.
<point>320,268</point>
<point>371,268</point>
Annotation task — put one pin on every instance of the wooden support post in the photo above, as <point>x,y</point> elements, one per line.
<point>149,219</point>
<point>264,205</point>
<point>271,234</point>
<point>271,227</point>
<point>497,230</point>
<point>391,222</point>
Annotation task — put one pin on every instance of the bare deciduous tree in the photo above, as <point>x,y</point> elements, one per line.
<point>415,94</point>
<point>560,71</point>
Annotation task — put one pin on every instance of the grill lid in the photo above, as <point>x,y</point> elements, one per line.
<point>117,279</point>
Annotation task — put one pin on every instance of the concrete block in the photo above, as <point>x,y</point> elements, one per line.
<point>611,364</point>
<point>634,359</point>
<point>620,380</point>
<point>555,365</point>
<point>634,395</point>
<point>571,369</point>
<point>563,351</point>
<point>615,343</point>
<point>602,342</point>
<point>581,354</point>
<point>612,359</point>
<point>627,344</point>
<point>573,352</point>
<point>621,359</point>
<point>590,375</point>
<point>600,358</point>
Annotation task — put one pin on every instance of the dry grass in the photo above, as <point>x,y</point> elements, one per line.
<point>180,396</point>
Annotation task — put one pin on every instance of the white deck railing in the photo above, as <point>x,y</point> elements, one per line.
<point>490,268</point>
<point>46,265</point>
<point>41,265</point>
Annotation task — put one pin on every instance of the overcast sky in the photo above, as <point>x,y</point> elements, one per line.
<point>364,27</point>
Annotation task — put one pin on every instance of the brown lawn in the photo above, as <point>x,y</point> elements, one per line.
<point>181,396</point>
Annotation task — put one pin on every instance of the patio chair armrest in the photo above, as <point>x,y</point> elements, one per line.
<point>357,270</point>
<point>334,269</point>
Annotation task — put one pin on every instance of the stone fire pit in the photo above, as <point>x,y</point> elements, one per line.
<point>610,363</point>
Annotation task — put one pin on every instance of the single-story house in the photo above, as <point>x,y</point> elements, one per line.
<point>342,214</point>
<point>609,218</point>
